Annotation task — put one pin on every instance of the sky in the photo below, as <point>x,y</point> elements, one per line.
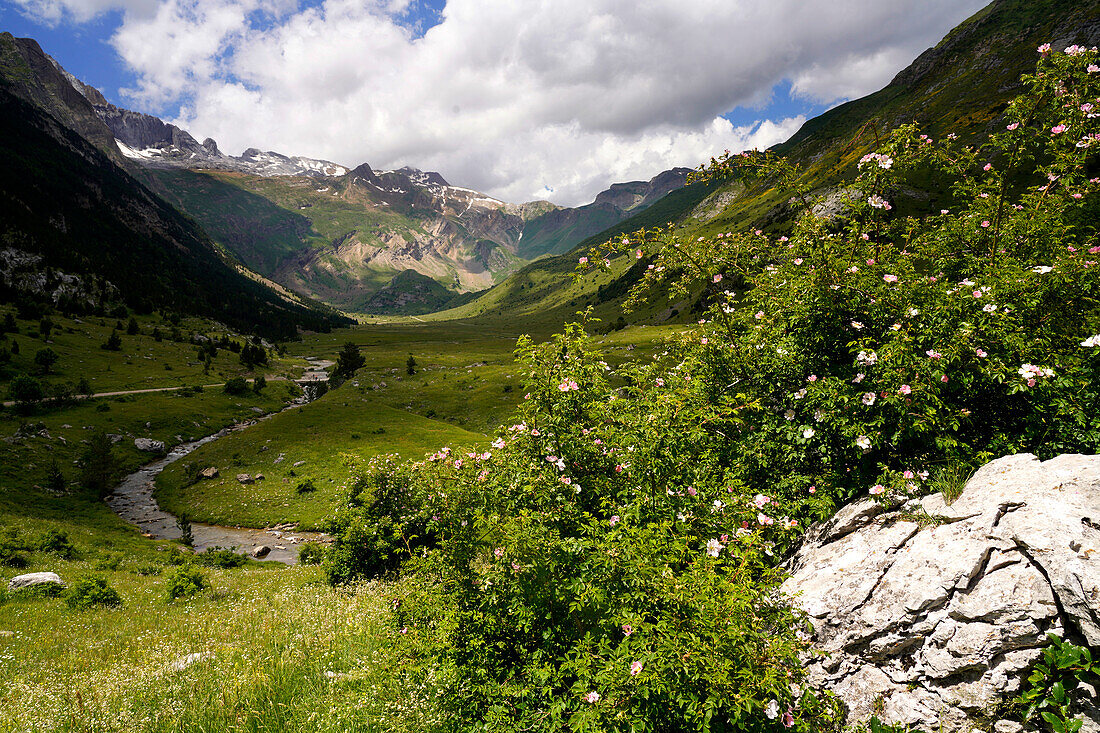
<point>521,99</point>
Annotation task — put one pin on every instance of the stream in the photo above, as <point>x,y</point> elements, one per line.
<point>133,501</point>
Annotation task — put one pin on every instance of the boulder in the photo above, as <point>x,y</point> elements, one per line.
<point>258,477</point>
<point>260,551</point>
<point>244,478</point>
<point>208,473</point>
<point>149,445</point>
<point>30,580</point>
<point>932,613</point>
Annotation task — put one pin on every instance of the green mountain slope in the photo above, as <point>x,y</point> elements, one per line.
<point>65,206</point>
<point>962,85</point>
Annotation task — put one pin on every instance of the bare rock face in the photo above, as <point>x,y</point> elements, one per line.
<point>934,613</point>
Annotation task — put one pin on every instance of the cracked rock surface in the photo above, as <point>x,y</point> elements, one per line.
<point>934,613</point>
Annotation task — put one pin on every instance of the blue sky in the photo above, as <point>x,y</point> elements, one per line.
<point>516,98</point>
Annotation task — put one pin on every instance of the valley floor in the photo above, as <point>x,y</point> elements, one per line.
<point>263,647</point>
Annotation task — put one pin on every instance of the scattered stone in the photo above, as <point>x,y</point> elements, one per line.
<point>257,410</point>
<point>66,426</point>
<point>258,477</point>
<point>244,478</point>
<point>932,623</point>
<point>209,473</point>
<point>298,463</point>
<point>260,551</point>
<point>184,662</point>
<point>115,437</point>
<point>30,580</point>
<point>149,445</point>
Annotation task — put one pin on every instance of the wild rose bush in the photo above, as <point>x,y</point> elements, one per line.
<point>610,561</point>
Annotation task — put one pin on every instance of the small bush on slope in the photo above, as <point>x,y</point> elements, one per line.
<point>611,563</point>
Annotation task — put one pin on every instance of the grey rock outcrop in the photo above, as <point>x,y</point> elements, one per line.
<point>934,613</point>
<point>209,473</point>
<point>30,580</point>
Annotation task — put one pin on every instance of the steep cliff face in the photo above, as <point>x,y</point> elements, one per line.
<point>34,76</point>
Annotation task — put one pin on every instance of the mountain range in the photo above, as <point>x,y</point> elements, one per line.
<point>339,234</point>
<point>79,233</point>
<point>409,242</point>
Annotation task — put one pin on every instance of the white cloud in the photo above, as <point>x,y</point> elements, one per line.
<point>505,96</point>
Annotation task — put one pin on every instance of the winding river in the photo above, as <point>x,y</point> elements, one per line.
<point>133,500</point>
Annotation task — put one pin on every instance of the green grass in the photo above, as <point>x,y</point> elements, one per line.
<point>142,363</point>
<point>286,653</point>
<point>345,421</point>
<point>166,416</point>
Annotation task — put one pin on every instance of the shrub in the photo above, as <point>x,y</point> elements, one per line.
<point>220,557</point>
<point>348,361</point>
<point>306,487</point>
<point>184,581</point>
<point>113,342</point>
<point>311,553</point>
<point>236,386</point>
<point>57,543</point>
<point>11,547</point>
<point>92,591</point>
<point>98,464</point>
<point>612,562</point>
<point>44,359</point>
<point>25,390</point>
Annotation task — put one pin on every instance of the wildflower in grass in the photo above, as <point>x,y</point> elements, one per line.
<point>1042,269</point>
<point>933,354</point>
<point>858,378</point>
<point>877,489</point>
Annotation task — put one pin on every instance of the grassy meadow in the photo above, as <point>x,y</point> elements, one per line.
<point>281,652</point>
<point>141,363</point>
<point>284,651</point>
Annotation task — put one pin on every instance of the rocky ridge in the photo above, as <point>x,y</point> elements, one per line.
<point>931,614</point>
